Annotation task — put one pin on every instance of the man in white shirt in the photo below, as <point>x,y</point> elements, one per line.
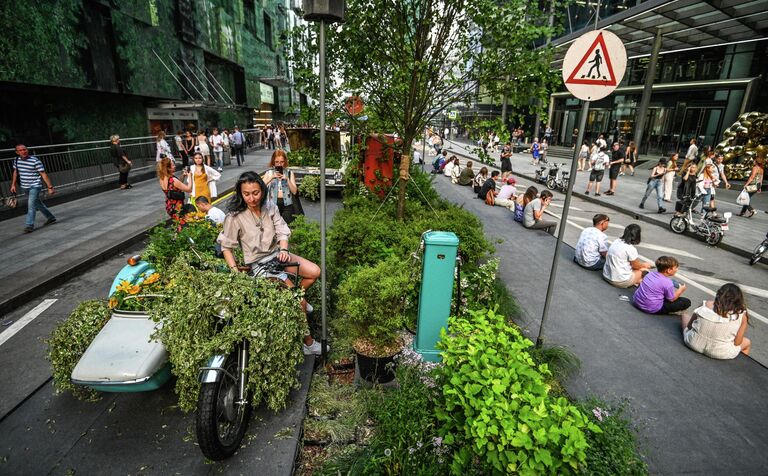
<point>593,244</point>
<point>218,148</point>
<point>507,194</point>
<point>598,163</point>
<point>601,143</point>
<point>690,156</point>
<point>214,214</point>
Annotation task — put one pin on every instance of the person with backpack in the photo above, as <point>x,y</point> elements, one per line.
<point>598,162</point>
<point>29,171</point>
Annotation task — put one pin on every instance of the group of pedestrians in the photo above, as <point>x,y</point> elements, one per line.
<point>716,328</point>
<point>275,137</point>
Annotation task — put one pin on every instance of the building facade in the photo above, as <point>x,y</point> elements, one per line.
<point>84,69</point>
<point>711,66</point>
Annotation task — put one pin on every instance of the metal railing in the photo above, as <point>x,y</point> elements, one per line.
<point>78,165</point>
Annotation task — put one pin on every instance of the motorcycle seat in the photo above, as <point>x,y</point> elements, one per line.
<point>716,218</point>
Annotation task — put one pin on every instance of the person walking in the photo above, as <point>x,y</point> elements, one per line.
<point>753,185</point>
<point>669,177</point>
<point>282,190</point>
<point>630,159</point>
<point>598,162</point>
<point>506,161</point>
<point>654,183</point>
<point>162,147</point>
<point>705,186</point>
<point>616,163</point>
<point>29,171</point>
<point>686,190</point>
<point>121,161</point>
<point>202,146</point>
<point>202,179</point>
<point>188,148</point>
<point>535,151</point>
<point>238,144</point>
<point>544,150</point>
<point>218,148</point>
<point>691,155</point>
<point>583,156</point>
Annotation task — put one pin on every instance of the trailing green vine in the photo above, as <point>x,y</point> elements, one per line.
<point>69,341</point>
<point>309,187</point>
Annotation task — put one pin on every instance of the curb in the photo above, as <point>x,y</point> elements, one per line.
<point>622,210</point>
<point>59,277</point>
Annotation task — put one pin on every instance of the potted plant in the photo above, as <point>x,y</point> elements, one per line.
<point>373,304</point>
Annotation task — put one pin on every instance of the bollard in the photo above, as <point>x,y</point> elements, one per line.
<point>437,277</point>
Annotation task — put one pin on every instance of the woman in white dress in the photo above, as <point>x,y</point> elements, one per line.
<point>202,146</point>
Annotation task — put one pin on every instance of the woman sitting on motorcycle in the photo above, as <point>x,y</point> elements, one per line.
<point>255,225</point>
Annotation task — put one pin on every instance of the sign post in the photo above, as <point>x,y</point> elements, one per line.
<point>592,68</point>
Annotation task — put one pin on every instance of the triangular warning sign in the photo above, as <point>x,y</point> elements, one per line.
<point>595,67</point>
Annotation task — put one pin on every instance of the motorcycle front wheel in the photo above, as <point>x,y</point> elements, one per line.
<point>551,184</point>
<point>221,420</point>
<point>761,248</point>
<point>714,236</point>
<point>678,225</point>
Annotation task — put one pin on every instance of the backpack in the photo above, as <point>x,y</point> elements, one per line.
<point>519,211</point>
<point>490,198</point>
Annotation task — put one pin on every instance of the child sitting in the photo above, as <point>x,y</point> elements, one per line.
<point>658,293</point>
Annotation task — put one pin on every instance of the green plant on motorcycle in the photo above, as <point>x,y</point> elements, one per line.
<point>309,187</point>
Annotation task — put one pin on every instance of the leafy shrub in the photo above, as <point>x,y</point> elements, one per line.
<point>167,242</point>
<point>614,450</point>
<point>309,187</point>
<point>265,313</point>
<point>373,304</point>
<point>69,341</point>
<point>308,157</point>
<point>496,406</point>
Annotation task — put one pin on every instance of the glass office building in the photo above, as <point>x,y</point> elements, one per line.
<point>711,67</point>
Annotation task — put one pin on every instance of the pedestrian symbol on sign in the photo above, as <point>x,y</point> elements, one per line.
<point>597,61</point>
<point>594,65</point>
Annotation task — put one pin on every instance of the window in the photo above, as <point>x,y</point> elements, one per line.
<point>268,31</point>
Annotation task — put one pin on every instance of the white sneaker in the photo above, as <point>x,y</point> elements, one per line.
<point>309,308</point>
<point>220,169</point>
<point>315,349</point>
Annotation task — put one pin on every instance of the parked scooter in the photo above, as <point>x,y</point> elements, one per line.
<point>542,175</point>
<point>710,226</point>
<point>557,179</point>
<point>759,251</point>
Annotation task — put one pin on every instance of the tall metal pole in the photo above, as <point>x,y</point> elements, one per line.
<point>645,99</point>
<point>566,206</point>
<point>563,221</point>
<point>324,341</point>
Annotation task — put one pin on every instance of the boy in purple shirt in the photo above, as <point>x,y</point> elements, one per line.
<point>658,293</point>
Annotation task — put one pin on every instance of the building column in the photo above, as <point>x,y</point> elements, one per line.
<point>650,75</point>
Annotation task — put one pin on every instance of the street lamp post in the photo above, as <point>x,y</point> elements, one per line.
<point>323,11</point>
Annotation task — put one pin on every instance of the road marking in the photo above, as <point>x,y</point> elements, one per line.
<point>554,204</point>
<point>719,282</point>
<point>26,319</point>
<point>669,250</point>
<point>589,220</point>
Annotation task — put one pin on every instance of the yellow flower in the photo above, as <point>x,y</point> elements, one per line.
<point>134,290</point>
<point>152,278</point>
<point>112,302</point>
<point>123,287</point>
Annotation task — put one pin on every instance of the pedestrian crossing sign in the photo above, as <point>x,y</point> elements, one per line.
<point>594,65</point>
<point>452,115</point>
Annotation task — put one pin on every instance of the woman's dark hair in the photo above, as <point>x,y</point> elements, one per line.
<point>236,203</point>
<point>483,171</point>
<point>631,234</point>
<point>729,300</point>
<point>530,194</point>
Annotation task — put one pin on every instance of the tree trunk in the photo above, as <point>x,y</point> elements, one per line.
<point>405,167</point>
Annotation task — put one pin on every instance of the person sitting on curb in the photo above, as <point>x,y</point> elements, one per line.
<point>479,180</point>
<point>448,167</point>
<point>212,213</point>
<point>717,327</point>
<point>623,267</point>
<point>456,171</point>
<point>522,200</point>
<point>489,186</point>
<point>439,162</point>
<point>534,211</point>
<point>593,244</point>
<point>467,175</point>
<point>597,162</point>
<point>507,194</point>
<point>658,293</point>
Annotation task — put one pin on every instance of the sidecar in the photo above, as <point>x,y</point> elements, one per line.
<point>122,357</point>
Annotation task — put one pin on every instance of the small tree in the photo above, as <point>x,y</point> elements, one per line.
<point>412,59</point>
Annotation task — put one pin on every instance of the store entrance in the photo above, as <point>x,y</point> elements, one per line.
<point>703,123</point>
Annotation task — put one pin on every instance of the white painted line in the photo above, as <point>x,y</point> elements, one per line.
<point>589,220</point>
<point>26,319</point>
<point>719,282</point>
<point>667,249</point>
<point>559,205</point>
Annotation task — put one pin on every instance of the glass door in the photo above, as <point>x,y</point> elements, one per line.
<point>703,123</point>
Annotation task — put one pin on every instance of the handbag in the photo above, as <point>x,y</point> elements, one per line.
<point>743,198</point>
<point>298,209</point>
<point>173,194</point>
<point>519,212</point>
<point>124,167</point>
<point>490,198</point>
<point>751,188</point>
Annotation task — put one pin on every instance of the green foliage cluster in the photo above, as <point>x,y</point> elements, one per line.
<point>262,312</point>
<point>497,409</point>
<point>69,341</point>
<point>166,243</point>
<point>614,450</point>
<point>305,242</point>
<point>308,157</point>
<point>335,411</point>
<point>81,119</point>
<point>374,302</point>
<point>309,187</point>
